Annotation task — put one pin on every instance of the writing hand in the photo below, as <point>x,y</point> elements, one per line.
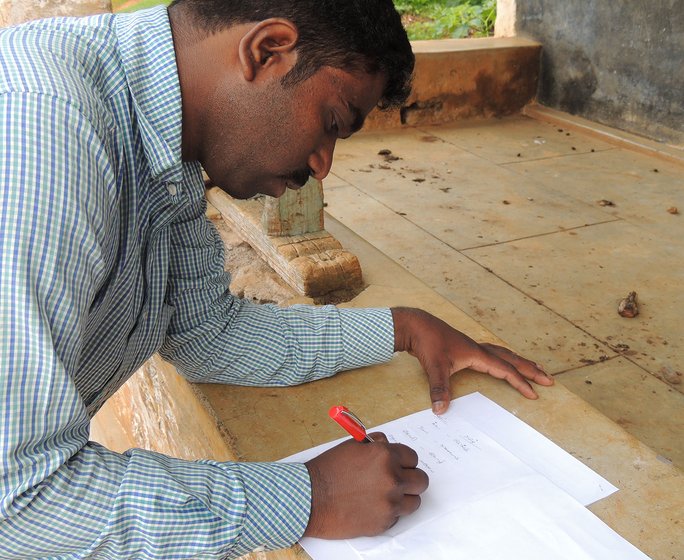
<point>443,351</point>
<point>361,489</point>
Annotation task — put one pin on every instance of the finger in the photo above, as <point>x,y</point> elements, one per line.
<point>438,379</point>
<point>501,369</point>
<point>378,437</point>
<point>408,458</point>
<point>408,504</point>
<point>529,369</point>
<point>415,481</point>
<point>519,383</point>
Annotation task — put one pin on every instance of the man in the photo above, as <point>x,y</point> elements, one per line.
<point>106,257</point>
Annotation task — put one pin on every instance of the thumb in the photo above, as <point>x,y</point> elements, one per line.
<point>439,390</point>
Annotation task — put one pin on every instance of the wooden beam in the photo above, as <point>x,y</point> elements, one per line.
<point>313,263</point>
<point>296,212</point>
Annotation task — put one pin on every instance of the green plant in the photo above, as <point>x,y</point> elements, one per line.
<point>132,5</point>
<point>423,19</point>
<point>431,19</point>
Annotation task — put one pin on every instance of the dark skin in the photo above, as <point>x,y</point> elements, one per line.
<point>253,135</point>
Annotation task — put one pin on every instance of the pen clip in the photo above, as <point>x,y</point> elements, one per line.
<point>350,422</point>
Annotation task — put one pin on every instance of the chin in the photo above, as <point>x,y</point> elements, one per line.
<point>234,194</point>
<point>243,191</point>
<point>275,190</point>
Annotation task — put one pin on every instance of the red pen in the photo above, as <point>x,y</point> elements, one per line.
<point>350,422</point>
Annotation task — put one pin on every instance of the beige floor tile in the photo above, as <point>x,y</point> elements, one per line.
<point>642,405</point>
<point>641,188</point>
<point>583,274</point>
<point>464,200</point>
<point>498,306</point>
<point>515,139</point>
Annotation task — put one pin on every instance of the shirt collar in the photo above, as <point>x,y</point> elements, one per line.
<point>149,61</point>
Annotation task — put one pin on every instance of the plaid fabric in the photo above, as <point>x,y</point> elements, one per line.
<point>105,258</point>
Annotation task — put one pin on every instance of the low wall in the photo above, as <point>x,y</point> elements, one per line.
<point>618,63</point>
<point>13,12</point>
<point>466,78</point>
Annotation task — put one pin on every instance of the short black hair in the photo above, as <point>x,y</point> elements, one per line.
<point>353,35</point>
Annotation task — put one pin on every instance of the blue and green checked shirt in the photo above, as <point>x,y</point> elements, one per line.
<point>106,257</point>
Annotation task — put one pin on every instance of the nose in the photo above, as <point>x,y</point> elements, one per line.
<point>320,160</point>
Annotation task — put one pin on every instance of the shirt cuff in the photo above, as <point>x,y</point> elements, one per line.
<point>277,504</point>
<point>368,336</point>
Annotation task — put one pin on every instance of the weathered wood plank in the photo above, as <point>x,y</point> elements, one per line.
<point>296,212</point>
<point>314,264</point>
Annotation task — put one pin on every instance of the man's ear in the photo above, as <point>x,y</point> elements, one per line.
<point>269,45</point>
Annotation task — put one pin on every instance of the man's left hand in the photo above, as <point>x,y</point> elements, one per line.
<point>443,351</point>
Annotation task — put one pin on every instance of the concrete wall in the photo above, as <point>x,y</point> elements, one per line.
<point>18,11</point>
<point>618,63</point>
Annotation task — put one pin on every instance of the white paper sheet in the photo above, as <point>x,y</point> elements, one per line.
<point>533,449</point>
<point>498,489</point>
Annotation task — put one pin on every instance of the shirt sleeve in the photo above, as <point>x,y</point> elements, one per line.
<point>61,495</point>
<point>216,337</point>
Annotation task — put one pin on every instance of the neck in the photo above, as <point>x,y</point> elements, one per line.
<point>187,43</point>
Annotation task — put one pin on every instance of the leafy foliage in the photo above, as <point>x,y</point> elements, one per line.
<point>423,19</point>
<point>435,19</point>
<point>132,5</point>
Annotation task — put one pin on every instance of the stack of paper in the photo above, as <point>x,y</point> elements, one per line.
<point>498,490</point>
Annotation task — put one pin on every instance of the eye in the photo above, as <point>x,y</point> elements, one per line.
<point>334,126</point>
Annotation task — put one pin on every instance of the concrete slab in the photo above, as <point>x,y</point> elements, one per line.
<point>617,386</point>
<point>462,199</point>
<point>642,189</point>
<point>517,138</point>
<point>583,274</point>
<point>547,338</point>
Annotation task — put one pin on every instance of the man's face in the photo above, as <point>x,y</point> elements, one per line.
<point>268,138</point>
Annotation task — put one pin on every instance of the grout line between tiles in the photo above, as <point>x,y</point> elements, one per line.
<point>557,156</point>
<point>523,160</point>
<point>545,234</point>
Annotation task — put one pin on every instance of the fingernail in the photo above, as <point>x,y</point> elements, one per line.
<point>438,407</point>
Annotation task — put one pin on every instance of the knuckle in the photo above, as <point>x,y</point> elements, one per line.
<point>437,389</point>
<point>383,453</point>
<point>413,456</point>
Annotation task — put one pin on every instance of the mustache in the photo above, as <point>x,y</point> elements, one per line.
<point>299,177</point>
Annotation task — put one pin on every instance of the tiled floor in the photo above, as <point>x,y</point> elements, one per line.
<point>538,233</point>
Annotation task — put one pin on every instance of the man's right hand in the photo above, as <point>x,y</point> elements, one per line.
<point>361,489</point>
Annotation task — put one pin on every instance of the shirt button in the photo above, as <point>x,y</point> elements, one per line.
<point>172,188</point>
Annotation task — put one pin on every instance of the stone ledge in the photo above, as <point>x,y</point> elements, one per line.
<point>466,78</point>
<point>13,12</point>
<point>621,138</point>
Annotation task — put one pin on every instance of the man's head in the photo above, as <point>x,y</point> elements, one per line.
<point>275,71</point>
